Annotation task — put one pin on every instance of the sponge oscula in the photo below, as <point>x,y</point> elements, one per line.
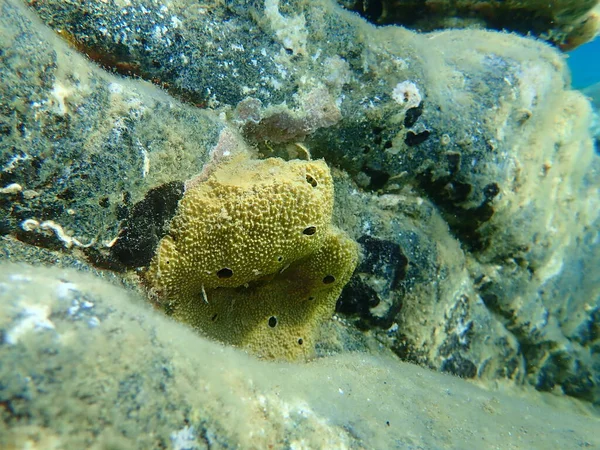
<point>250,218</point>
<point>277,317</point>
<point>251,257</point>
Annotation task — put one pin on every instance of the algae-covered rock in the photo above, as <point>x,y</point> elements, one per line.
<point>467,166</point>
<point>566,23</point>
<point>88,365</point>
<point>251,257</point>
<point>473,127</point>
<point>80,146</point>
<point>414,292</point>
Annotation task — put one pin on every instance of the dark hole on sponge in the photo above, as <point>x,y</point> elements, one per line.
<point>272,321</point>
<point>310,231</point>
<point>214,317</point>
<point>225,273</point>
<point>328,279</point>
<point>311,180</point>
<point>300,341</point>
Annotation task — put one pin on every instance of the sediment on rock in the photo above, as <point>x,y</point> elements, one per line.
<point>468,171</point>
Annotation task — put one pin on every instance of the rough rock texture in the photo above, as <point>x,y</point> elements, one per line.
<point>566,23</point>
<point>251,257</point>
<point>80,146</point>
<point>84,365</point>
<point>468,172</point>
<point>414,291</point>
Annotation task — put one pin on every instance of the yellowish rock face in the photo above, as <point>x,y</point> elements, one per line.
<point>251,258</point>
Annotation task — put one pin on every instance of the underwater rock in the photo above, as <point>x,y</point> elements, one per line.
<point>383,268</point>
<point>148,221</point>
<point>564,23</point>
<point>83,145</point>
<point>480,129</point>
<point>467,149</point>
<point>88,365</point>
<point>413,291</point>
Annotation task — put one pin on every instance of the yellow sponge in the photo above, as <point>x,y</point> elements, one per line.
<point>251,257</point>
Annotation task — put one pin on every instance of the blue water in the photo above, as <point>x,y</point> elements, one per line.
<point>585,64</point>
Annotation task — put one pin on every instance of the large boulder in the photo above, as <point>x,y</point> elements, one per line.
<point>465,164</point>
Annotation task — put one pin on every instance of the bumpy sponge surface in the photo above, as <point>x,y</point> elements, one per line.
<point>251,257</point>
